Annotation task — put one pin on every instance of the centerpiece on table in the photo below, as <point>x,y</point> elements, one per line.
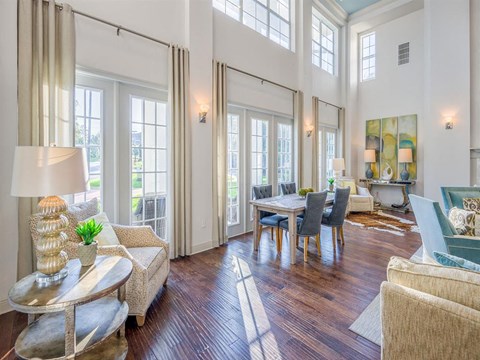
<point>330,183</point>
<point>304,191</point>
<point>87,249</point>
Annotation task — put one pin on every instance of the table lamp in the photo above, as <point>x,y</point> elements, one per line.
<point>47,172</point>
<point>405,157</point>
<point>338,165</point>
<point>369,158</point>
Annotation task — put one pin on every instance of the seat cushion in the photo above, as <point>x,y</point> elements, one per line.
<point>284,224</point>
<point>272,220</point>
<point>150,257</point>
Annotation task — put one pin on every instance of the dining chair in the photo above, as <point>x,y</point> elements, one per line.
<point>310,224</point>
<point>288,188</point>
<point>335,216</point>
<point>267,219</point>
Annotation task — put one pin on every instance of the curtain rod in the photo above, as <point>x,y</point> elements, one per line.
<point>326,102</point>
<point>118,27</point>
<point>262,79</point>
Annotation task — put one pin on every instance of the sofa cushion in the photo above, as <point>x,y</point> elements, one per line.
<point>463,221</point>
<point>455,261</point>
<point>107,236</point>
<point>351,185</point>
<point>150,257</point>
<point>473,204</point>
<point>457,285</point>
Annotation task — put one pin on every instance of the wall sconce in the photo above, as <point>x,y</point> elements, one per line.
<point>202,115</point>
<point>309,130</point>
<point>448,123</point>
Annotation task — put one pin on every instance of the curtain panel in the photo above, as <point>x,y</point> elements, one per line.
<point>314,137</point>
<point>219,136</point>
<point>181,187</point>
<point>298,121</point>
<point>46,85</point>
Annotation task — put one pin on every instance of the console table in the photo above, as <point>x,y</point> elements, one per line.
<point>75,318</point>
<point>396,184</point>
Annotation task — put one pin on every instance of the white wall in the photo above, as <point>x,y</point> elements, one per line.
<point>8,136</point>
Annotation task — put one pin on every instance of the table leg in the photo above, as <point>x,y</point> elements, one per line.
<point>121,297</point>
<point>70,335</point>
<point>292,229</point>
<point>255,227</point>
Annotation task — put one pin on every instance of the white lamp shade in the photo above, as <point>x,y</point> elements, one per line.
<point>48,171</point>
<point>338,164</point>
<point>369,156</point>
<point>405,155</point>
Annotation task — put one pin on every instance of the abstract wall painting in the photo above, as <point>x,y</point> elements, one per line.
<point>407,138</point>
<point>372,141</point>
<point>388,153</point>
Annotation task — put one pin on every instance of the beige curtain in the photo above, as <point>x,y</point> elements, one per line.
<point>178,94</point>
<point>314,138</point>
<point>46,83</point>
<point>219,135</point>
<point>298,120</point>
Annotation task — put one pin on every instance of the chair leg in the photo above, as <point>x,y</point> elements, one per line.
<point>334,236</point>
<point>271,233</point>
<point>341,235</point>
<point>140,320</point>
<point>305,248</point>
<point>277,237</point>
<point>280,239</point>
<point>297,240</point>
<point>317,240</point>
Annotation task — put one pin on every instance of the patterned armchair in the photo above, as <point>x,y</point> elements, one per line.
<point>147,252</point>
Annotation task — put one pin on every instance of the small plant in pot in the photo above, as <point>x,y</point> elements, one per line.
<point>330,183</point>
<point>87,249</point>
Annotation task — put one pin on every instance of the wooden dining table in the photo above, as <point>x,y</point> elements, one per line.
<point>289,205</point>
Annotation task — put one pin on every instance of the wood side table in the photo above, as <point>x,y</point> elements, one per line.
<point>75,318</point>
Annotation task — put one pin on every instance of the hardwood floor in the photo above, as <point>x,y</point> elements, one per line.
<point>233,303</point>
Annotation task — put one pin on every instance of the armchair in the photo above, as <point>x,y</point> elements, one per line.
<point>360,198</point>
<point>438,233</point>
<point>147,252</point>
<point>453,196</point>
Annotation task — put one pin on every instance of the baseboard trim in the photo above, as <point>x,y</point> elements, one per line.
<point>202,247</point>
<point>5,306</point>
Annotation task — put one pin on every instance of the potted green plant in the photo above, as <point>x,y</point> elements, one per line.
<point>87,249</point>
<point>330,183</point>
<point>304,191</point>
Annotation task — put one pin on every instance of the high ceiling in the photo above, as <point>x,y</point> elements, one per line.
<point>351,6</point>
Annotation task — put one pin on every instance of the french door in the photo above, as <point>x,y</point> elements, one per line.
<point>260,152</point>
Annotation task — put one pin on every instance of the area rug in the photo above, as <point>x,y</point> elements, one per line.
<point>368,324</point>
<point>382,222</point>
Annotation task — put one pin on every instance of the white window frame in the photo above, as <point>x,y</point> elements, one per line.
<point>368,57</point>
<point>236,10</point>
<point>318,60</point>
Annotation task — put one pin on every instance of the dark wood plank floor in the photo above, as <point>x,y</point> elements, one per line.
<point>233,303</point>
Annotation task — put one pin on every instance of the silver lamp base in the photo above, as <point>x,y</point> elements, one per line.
<point>53,278</point>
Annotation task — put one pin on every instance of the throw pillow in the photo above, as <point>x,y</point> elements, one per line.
<point>463,221</point>
<point>455,261</point>
<point>473,204</point>
<point>351,185</point>
<point>107,236</point>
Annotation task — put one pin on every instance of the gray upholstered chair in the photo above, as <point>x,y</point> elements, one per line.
<point>335,216</point>
<point>310,224</point>
<point>288,188</point>
<point>267,219</point>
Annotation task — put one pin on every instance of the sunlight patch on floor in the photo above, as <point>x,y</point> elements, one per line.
<point>261,340</point>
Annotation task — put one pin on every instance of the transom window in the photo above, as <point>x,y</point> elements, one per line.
<point>271,18</point>
<point>368,56</point>
<point>324,36</point>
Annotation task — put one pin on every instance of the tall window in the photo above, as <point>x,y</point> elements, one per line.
<point>368,56</point>
<point>233,187</point>
<point>327,152</point>
<point>149,163</point>
<point>324,35</point>
<point>271,18</point>
<point>88,134</point>
<point>259,152</point>
<point>284,153</point>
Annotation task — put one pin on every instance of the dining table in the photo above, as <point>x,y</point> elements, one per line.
<point>290,205</point>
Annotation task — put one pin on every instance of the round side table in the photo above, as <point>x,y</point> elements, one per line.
<point>75,318</point>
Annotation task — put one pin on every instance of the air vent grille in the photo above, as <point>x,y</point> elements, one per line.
<point>404,53</point>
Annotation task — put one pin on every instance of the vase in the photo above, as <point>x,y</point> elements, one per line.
<point>330,187</point>
<point>87,253</point>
